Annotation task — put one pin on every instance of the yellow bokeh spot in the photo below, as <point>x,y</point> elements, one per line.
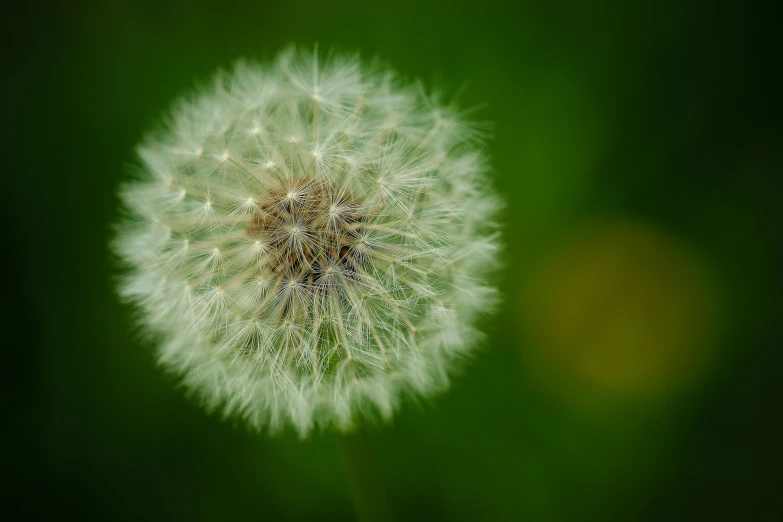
<point>619,309</point>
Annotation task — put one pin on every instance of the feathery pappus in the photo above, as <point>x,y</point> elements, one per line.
<point>309,240</point>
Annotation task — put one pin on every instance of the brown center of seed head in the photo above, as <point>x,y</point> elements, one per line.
<point>310,231</point>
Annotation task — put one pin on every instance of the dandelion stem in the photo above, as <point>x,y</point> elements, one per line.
<point>367,489</point>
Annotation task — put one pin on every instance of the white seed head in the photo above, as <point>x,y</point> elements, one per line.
<point>323,251</point>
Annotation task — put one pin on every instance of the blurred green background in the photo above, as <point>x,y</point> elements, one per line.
<point>632,371</point>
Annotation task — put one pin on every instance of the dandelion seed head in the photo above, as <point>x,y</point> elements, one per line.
<point>312,273</point>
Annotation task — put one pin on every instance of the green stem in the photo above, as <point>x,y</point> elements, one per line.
<point>368,492</point>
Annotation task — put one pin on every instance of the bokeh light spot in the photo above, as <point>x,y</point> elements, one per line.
<point>620,310</point>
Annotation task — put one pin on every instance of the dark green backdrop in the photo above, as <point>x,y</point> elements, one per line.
<point>630,373</point>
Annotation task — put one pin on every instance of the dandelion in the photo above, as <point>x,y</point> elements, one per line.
<point>309,241</point>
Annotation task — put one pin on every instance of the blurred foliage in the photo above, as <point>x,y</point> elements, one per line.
<point>663,115</point>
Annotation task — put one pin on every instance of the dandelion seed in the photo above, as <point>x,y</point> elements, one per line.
<point>301,277</point>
